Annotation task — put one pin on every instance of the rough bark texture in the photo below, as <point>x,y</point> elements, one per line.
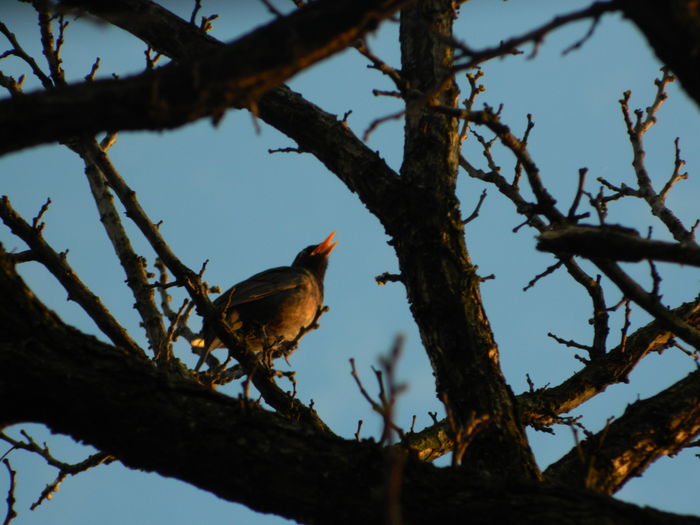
<point>155,419</point>
<point>615,243</point>
<point>235,75</point>
<point>543,406</point>
<point>429,241</point>
<point>648,429</point>
<point>158,418</point>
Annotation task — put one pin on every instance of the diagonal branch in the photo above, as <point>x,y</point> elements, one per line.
<point>175,94</point>
<point>542,407</point>
<point>536,36</point>
<point>322,134</point>
<point>649,302</point>
<point>133,265</point>
<point>57,265</point>
<point>650,428</point>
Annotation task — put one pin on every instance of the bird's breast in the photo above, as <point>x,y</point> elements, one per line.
<point>285,313</point>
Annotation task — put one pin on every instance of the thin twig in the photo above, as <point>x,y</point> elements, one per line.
<point>579,192</point>
<point>548,271</point>
<point>475,213</point>
<point>64,469</point>
<point>11,512</point>
<point>536,36</point>
<point>19,52</point>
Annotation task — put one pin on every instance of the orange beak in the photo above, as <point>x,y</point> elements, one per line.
<point>326,247</point>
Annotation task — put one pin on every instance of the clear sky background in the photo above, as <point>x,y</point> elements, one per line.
<point>223,197</point>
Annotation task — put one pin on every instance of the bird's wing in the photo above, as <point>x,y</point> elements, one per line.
<point>263,284</point>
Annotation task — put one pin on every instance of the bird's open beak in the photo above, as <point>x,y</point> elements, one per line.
<point>326,247</point>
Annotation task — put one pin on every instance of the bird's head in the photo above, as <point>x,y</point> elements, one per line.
<point>315,257</point>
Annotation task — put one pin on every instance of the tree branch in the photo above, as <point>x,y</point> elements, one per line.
<point>614,243</point>
<point>542,407</point>
<point>57,265</point>
<point>66,365</point>
<point>441,281</point>
<point>133,265</point>
<point>315,131</point>
<point>175,94</point>
<point>676,48</point>
<point>658,426</point>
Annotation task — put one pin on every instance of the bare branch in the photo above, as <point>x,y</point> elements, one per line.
<point>676,175</point>
<point>61,270</point>
<point>195,90</point>
<point>11,512</point>
<point>548,271</point>
<point>615,243</point>
<point>381,66</point>
<point>536,36</point>
<point>579,192</point>
<point>475,213</point>
<point>657,426</point>
<point>51,47</point>
<point>650,303</point>
<point>18,51</point>
<point>134,265</point>
<point>614,367</point>
<point>65,469</point>
<point>545,202</point>
<point>636,131</point>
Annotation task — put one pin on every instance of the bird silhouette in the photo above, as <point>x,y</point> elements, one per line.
<point>271,309</point>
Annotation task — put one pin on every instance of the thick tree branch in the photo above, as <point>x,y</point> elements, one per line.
<point>330,140</point>
<point>314,130</point>
<point>617,244</point>
<point>441,281</point>
<point>64,365</point>
<point>168,97</point>
<point>543,406</point>
<point>654,427</point>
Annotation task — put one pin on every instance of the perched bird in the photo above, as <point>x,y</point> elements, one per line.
<point>269,309</point>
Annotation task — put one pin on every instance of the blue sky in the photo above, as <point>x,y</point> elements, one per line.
<point>223,197</point>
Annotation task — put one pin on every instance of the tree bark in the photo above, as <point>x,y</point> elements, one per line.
<point>672,28</point>
<point>236,75</point>
<point>160,420</point>
<point>441,281</point>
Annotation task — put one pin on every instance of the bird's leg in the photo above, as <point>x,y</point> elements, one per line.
<point>266,354</point>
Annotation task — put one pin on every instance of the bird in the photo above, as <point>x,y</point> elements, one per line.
<point>272,308</point>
